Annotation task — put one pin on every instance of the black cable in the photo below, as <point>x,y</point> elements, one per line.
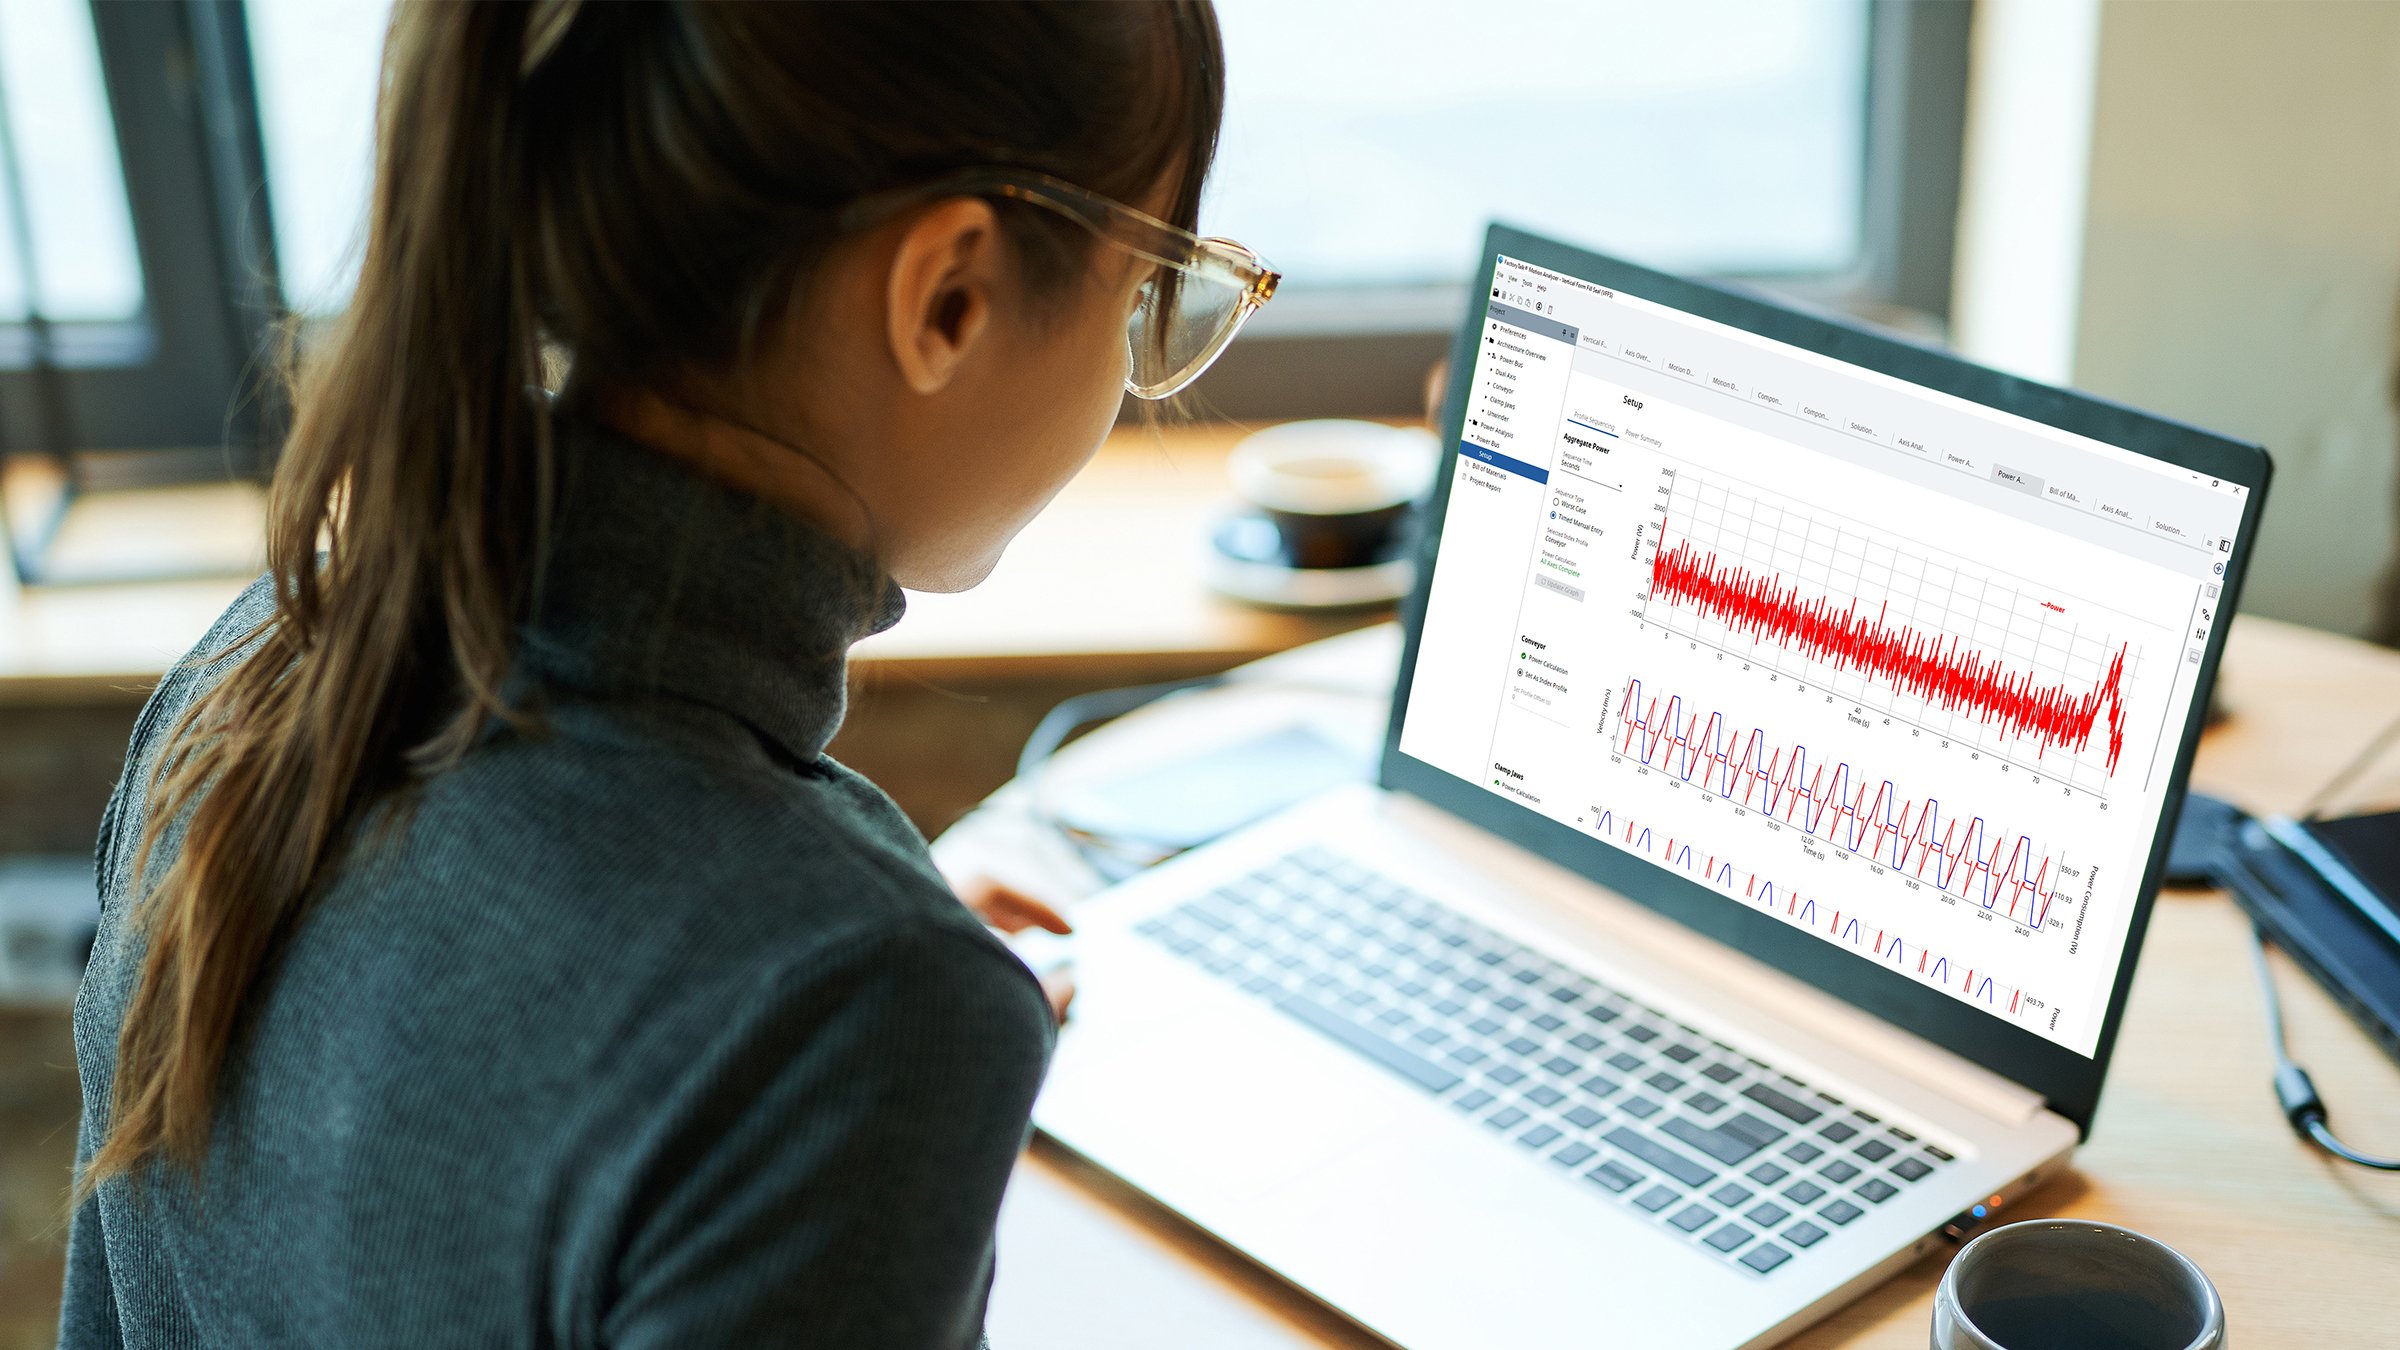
<point>2294,1091</point>
<point>2349,772</point>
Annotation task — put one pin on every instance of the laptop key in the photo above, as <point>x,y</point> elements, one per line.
<point>1616,1176</point>
<point>1841,1211</point>
<point>1643,1034</point>
<point>1523,1046</point>
<point>1625,1063</point>
<point>1767,1174</point>
<point>1584,1040</point>
<point>1781,1103</point>
<point>1664,1081</point>
<point>1507,1117</point>
<point>1584,1117</point>
<point>1640,1108</point>
<point>1765,1257</point>
<point>1839,1131</point>
<point>1912,1169</point>
<point>1838,1171</point>
<point>1681,1054</point>
<point>1560,1065</point>
<point>1804,1193</point>
<point>1599,1085</point>
<point>1730,1194</point>
<point>1877,1189</point>
<point>1721,1144</point>
<point>1573,1155</point>
<point>1660,1156</point>
<point>1729,1237</point>
<point>1804,1153</point>
<point>1721,1073</point>
<point>1506,1074</point>
<point>1939,1155</point>
<point>1874,1150</point>
<point>1398,1058</point>
<point>1804,1235</point>
<point>1692,1218</point>
<point>1656,1198</point>
<point>1540,1136</point>
<point>1549,1021</point>
<point>1767,1214</point>
<point>1706,1103</point>
<point>1472,1101</point>
<point>1544,1095</point>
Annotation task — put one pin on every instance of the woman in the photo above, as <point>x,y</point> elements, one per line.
<point>490,954</point>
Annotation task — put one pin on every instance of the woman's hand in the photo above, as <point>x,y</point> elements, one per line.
<point>1013,911</point>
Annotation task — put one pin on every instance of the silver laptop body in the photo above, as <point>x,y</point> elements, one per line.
<point>1778,775</point>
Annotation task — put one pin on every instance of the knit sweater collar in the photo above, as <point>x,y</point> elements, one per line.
<point>661,580</point>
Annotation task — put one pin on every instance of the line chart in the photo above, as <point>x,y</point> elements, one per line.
<point>1960,854</point>
<point>2035,677</point>
<point>1847,927</point>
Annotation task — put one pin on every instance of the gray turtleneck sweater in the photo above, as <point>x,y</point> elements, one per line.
<point>657,1029</point>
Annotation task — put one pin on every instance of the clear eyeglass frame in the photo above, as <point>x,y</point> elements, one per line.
<point>1187,311</point>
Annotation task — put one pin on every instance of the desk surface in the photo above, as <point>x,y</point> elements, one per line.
<point>2188,1145</point>
<point>1103,587</point>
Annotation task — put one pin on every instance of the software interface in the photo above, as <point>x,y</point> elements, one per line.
<point>1900,670</point>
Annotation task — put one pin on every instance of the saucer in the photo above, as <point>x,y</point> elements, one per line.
<point>1246,560</point>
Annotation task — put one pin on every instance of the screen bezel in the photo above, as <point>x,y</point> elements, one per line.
<point>2067,1081</point>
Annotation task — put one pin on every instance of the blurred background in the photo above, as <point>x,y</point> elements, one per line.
<point>2193,207</point>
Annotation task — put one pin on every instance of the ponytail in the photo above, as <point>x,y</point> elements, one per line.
<point>388,651</point>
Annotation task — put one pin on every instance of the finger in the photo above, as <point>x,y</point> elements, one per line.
<point>1009,909</point>
<point>1060,986</point>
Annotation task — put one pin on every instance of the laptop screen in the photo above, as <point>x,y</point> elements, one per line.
<point>1903,671</point>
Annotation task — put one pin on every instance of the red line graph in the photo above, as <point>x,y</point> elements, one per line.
<point>1925,665</point>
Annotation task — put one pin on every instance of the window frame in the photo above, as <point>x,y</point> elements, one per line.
<point>176,77</point>
<point>1367,350</point>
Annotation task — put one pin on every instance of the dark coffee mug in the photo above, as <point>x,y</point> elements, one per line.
<point>2067,1284</point>
<point>1338,493</point>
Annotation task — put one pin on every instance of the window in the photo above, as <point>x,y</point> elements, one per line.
<point>1367,144</point>
<point>1808,145</point>
<point>317,65</point>
<point>190,169</point>
<point>133,292</point>
<point>58,141</point>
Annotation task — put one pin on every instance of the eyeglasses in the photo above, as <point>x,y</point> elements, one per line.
<point>1187,311</point>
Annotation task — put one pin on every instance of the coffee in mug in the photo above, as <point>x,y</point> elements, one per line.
<point>2067,1284</point>
<point>1327,514</point>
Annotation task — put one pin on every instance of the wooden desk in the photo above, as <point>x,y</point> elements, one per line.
<point>2188,1145</point>
<point>1103,587</point>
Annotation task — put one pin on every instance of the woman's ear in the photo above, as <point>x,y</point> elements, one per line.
<point>938,296</point>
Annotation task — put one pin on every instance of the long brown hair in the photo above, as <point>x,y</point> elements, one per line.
<point>643,188</point>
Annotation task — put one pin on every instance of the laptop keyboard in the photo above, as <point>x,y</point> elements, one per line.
<point>1718,1147</point>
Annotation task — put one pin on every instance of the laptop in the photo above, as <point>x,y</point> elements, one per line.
<point>1778,778</point>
